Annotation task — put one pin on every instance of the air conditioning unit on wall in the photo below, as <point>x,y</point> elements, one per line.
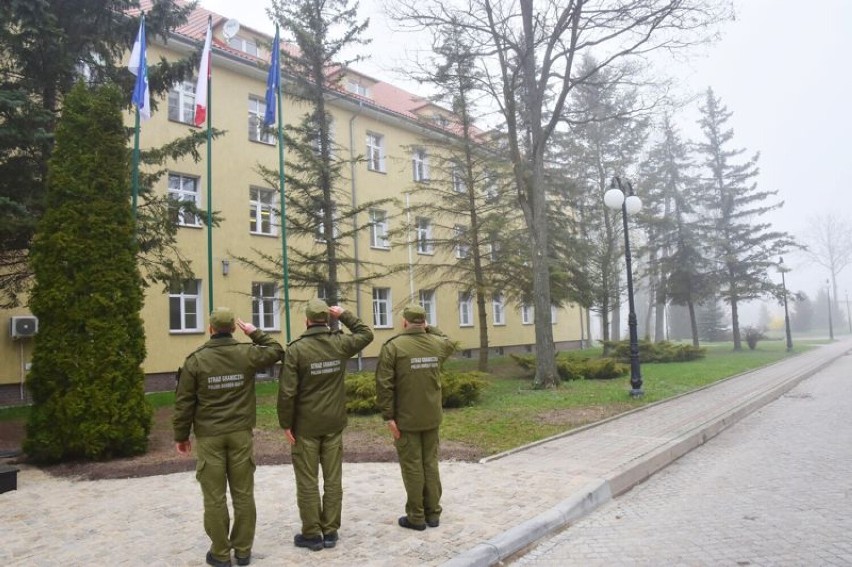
<point>23,326</point>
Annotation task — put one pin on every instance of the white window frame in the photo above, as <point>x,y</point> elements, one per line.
<point>245,45</point>
<point>424,236</point>
<point>459,185</point>
<point>382,311</point>
<point>265,306</point>
<point>553,311</point>
<point>335,229</point>
<point>465,309</point>
<point>257,130</point>
<point>527,314</point>
<point>188,304</point>
<point>355,87</point>
<point>379,227</point>
<point>375,152</point>
<point>420,165</point>
<point>462,249</point>
<point>177,191</point>
<point>315,140</point>
<point>498,308</point>
<point>262,204</point>
<point>181,101</point>
<point>428,302</point>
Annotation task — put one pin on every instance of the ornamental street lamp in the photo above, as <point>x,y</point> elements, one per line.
<point>782,269</point>
<point>830,324</point>
<point>615,199</point>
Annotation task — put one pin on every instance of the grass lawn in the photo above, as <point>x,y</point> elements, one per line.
<point>511,413</point>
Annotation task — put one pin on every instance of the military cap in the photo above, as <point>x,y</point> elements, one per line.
<point>414,313</point>
<point>222,318</point>
<point>316,310</point>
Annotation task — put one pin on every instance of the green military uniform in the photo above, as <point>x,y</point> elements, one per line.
<point>312,404</point>
<point>408,391</point>
<point>215,398</point>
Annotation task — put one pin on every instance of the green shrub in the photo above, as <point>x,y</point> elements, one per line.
<point>361,393</point>
<point>662,351</point>
<point>590,369</point>
<point>461,389</point>
<point>458,389</point>
<point>752,336</point>
<point>525,361</point>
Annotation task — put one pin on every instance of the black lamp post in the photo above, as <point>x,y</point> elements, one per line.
<point>617,198</point>
<point>783,269</point>
<point>830,324</point>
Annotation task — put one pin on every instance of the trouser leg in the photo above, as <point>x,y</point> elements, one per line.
<point>305,455</point>
<point>431,475</point>
<point>211,473</point>
<point>331,460</point>
<point>241,469</point>
<point>410,451</point>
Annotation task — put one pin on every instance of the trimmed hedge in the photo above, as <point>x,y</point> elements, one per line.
<point>458,389</point>
<point>663,351</point>
<point>573,368</point>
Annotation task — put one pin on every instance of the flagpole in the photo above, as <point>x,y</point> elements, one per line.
<point>135,166</point>
<point>209,177</point>
<point>285,267</point>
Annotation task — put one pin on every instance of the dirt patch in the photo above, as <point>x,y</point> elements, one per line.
<point>270,448</point>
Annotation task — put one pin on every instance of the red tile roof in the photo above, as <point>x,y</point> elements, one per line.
<point>384,96</point>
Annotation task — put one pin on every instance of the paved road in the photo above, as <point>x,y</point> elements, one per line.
<point>775,489</point>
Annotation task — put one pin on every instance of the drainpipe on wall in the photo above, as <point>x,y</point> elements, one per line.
<point>410,260</point>
<point>355,221</point>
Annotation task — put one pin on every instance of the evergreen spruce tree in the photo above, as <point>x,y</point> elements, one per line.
<point>45,47</point>
<point>711,321</point>
<point>745,247</point>
<point>86,380</point>
<point>322,213</point>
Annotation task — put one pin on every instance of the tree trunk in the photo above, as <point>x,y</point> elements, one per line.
<point>735,324</point>
<point>693,322</point>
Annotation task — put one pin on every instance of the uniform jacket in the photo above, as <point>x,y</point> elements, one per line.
<point>311,393</point>
<point>408,382</point>
<point>215,392</point>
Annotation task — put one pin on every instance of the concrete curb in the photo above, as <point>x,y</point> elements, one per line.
<point>596,493</point>
<point>588,498</point>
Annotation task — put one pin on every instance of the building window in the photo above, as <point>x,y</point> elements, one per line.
<point>424,236</point>
<point>264,306</point>
<point>462,246</point>
<point>262,219</point>
<point>257,130</point>
<point>527,314</point>
<point>420,165</point>
<point>322,292</point>
<point>491,192</point>
<point>379,229</point>
<point>183,188</point>
<point>553,311</point>
<point>244,45</point>
<point>185,307</point>
<point>459,185</point>
<point>355,87</point>
<point>382,307</point>
<point>427,301</point>
<point>375,152</point>
<point>320,220</point>
<point>493,247</point>
<point>316,137</point>
<point>465,309</point>
<point>499,309</point>
<point>182,103</point>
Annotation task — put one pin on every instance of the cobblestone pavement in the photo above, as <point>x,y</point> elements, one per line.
<point>492,505</point>
<point>775,489</point>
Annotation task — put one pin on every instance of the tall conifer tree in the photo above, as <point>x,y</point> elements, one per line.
<point>86,380</point>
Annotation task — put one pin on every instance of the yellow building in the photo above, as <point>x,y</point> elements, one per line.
<point>371,118</point>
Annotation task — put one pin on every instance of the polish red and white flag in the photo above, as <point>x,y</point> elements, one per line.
<point>203,76</point>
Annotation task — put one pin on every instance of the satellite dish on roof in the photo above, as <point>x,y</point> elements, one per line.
<point>230,29</point>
